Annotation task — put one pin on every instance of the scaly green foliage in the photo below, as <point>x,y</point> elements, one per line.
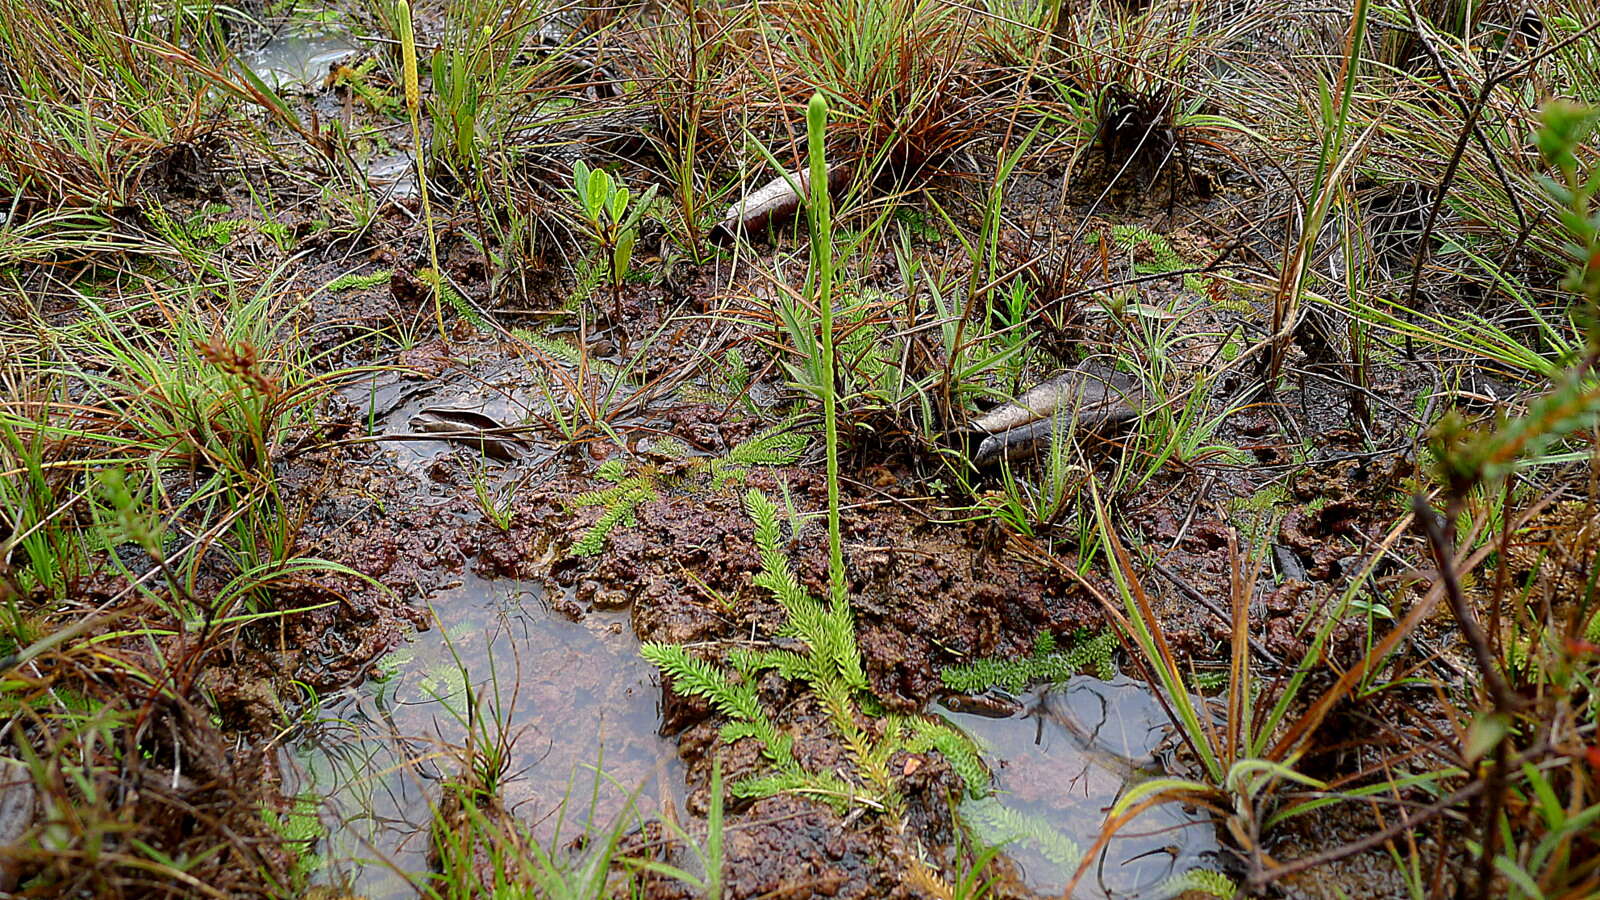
<point>447,292</point>
<point>737,700</point>
<point>1149,253</point>
<point>301,829</point>
<point>358,80</point>
<point>995,823</point>
<point>828,630</point>
<point>726,383</point>
<point>957,749</point>
<point>776,445</point>
<point>566,351</point>
<point>351,281</point>
<point>620,501</point>
<point>1087,650</point>
<point>830,668</point>
<point>1201,881</point>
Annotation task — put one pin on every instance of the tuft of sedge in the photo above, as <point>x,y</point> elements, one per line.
<point>240,361</point>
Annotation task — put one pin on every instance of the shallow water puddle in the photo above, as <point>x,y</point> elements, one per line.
<point>389,405</point>
<point>517,404</point>
<point>297,59</point>
<point>394,173</point>
<point>571,696</point>
<point>1059,765</point>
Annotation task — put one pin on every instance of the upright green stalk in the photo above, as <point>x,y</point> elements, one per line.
<point>408,64</point>
<point>822,261</point>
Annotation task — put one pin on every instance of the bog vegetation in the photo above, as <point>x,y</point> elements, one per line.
<point>1310,292</point>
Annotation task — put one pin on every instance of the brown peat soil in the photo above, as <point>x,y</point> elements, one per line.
<point>422,444</point>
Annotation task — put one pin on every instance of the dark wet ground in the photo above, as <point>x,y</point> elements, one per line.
<point>547,639</point>
<point>928,592</point>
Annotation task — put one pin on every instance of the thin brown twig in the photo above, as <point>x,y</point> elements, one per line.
<point>1493,80</point>
<point>1504,700</point>
<point>1261,879</point>
<point>1189,591</point>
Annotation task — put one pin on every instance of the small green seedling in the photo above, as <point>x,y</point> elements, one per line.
<point>610,216</point>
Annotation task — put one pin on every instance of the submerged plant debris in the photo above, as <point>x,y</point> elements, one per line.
<point>857,448</point>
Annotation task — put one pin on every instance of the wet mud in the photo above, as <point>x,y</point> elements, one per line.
<point>457,620</point>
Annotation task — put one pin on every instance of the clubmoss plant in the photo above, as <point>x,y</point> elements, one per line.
<point>1048,663</point>
<point>1201,882</point>
<point>352,281</point>
<point>446,292</point>
<point>820,215</point>
<point>775,445</point>
<point>995,823</point>
<point>830,667</point>
<point>619,502</point>
<point>301,828</point>
<point>1150,253</point>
